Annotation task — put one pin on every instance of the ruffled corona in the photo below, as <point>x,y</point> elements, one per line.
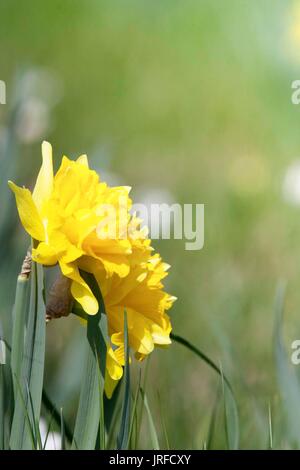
<point>141,295</point>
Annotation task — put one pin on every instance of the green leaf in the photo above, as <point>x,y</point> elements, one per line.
<point>153,433</point>
<point>286,376</point>
<point>35,423</point>
<point>212,424</point>
<point>134,408</point>
<point>29,423</point>
<point>230,416</point>
<point>19,320</point>
<point>270,427</point>
<point>163,423</point>
<point>89,410</point>
<point>124,433</point>
<point>2,409</point>
<point>6,392</point>
<point>62,431</point>
<point>110,408</point>
<point>48,433</point>
<point>56,415</point>
<point>2,389</point>
<point>46,400</point>
<point>32,369</point>
<point>101,431</point>
<point>140,410</point>
<point>231,406</point>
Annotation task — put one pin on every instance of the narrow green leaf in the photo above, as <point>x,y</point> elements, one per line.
<point>101,407</point>
<point>230,416</point>
<point>110,408</point>
<point>134,407</point>
<point>153,433</point>
<point>56,415</point>
<point>20,397</point>
<point>270,426</point>
<point>123,437</point>
<point>35,423</point>
<point>140,411</point>
<point>199,353</point>
<point>2,389</point>
<point>89,412</point>
<point>6,391</point>
<point>48,433</point>
<point>2,409</point>
<point>286,377</point>
<point>32,370</point>
<point>163,423</point>
<point>88,415</point>
<point>231,406</point>
<point>114,426</point>
<point>212,424</point>
<point>62,431</point>
<point>19,320</point>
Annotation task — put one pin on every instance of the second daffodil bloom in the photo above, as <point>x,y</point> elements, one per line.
<point>80,223</point>
<point>141,295</point>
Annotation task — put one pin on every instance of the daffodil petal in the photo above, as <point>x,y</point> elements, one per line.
<point>161,336</point>
<point>44,254</point>
<point>115,264</point>
<point>139,328</point>
<point>44,182</point>
<point>79,289</point>
<point>109,385</point>
<point>113,364</point>
<point>83,160</point>
<point>28,212</point>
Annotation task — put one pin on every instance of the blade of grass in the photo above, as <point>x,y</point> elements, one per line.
<point>114,428</point>
<point>101,431</point>
<point>47,433</point>
<point>62,431</point>
<point>270,427</point>
<point>35,423</point>
<point>286,377</point>
<point>7,393</point>
<point>123,437</point>
<point>201,355</point>
<point>2,389</point>
<point>88,414</point>
<point>19,318</point>
<point>56,415</point>
<point>153,433</point>
<point>232,410</point>
<point>46,401</point>
<point>212,424</point>
<point>230,417</point>
<point>163,423</point>
<point>28,422</point>
<point>140,412</point>
<point>32,370</point>
<point>110,407</point>
<point>134,407</point>
<point>2,409</point>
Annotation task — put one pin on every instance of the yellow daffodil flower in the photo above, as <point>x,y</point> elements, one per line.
<point>80,223</point>
<point>66,214</point>
<point>141,295</point>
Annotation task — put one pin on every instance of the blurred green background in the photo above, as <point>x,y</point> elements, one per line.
<point>188,101</point>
